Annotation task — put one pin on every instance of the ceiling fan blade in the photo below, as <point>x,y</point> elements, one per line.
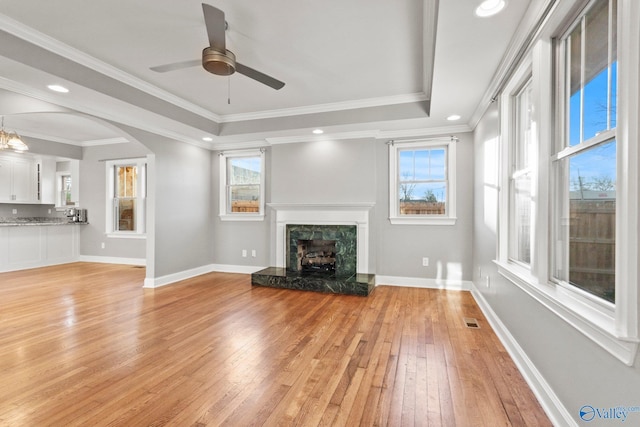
<point>176,66</point>
<point>215,23</point>
<point>258,76</point>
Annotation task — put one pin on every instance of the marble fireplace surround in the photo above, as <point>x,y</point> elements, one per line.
<point>322,214</point>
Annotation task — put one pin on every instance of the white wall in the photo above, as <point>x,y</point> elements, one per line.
<point>93,189</point>
<point>400,248</point>
<point>355,171</point>
<point>578,371</point>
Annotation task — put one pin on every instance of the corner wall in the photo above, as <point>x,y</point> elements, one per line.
<point>565,369</point>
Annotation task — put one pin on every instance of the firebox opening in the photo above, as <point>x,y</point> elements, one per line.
<point>316,256</point>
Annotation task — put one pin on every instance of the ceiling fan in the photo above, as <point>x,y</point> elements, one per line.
<point>216,58</point>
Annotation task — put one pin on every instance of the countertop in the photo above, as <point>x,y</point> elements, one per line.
<point>31,221</point>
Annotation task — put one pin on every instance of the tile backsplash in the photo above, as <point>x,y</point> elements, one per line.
<point>6,210</point>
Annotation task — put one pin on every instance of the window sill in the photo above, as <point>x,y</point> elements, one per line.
<point>412,220</point>
<point>126,235</point>
<point>242,217</point>
<point>594,323</point>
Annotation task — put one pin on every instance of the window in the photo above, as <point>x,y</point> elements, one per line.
<point>585,160</point>
<point>569,220</point>
<point>126,198</point>
<point>63,185</point>
<point>422,182</point>
<point>520,182</point>
<point>242,185</point>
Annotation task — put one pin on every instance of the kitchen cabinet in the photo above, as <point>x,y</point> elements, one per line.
<point>38,246</point>
<point>19,179</point>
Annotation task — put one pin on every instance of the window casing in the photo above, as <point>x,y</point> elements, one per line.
<point>126,198</point>
<point>242,185</point>
<point>584,226</point>
<point>422,182</point>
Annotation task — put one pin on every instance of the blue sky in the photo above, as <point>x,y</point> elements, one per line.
<point>600,161</point>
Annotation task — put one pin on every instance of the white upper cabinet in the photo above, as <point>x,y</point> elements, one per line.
<point>19,179</point>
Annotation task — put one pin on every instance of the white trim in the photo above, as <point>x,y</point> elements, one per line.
<point>39,39</point>
<point>126,235</point>
<point>550,402</point>
<point>156,282</point>
<point>113,260</point>
<point>224,213</point>
<point>419,282</point>
<point>598,328</point>
<point>238,269</point>
<point>324,108</point>
<point>416,220</point>
<point>141,198</point>
<point>450,216</point>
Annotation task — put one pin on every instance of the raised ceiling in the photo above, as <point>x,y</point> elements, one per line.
<point>350,67</point>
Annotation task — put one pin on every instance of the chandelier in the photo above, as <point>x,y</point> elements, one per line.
<point>11,140</point>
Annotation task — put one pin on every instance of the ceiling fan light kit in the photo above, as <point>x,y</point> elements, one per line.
<point>218,63</point>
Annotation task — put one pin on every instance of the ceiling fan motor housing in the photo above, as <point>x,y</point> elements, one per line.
<point>218,63</point>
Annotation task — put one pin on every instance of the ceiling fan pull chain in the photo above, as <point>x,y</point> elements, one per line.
<point>229,90</point>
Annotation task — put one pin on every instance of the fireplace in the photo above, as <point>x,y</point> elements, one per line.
<point>316,256</point>
<point>320,248</point>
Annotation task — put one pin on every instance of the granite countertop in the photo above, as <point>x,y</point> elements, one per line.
<point>37,220</point>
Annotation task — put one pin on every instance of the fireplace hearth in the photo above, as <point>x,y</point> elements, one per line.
<point>321,258</point>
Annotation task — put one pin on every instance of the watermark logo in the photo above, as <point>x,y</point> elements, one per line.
<point>614,413</point>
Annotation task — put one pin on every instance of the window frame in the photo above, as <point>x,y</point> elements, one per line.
<point>224,213</point>
<point>449,218</point>
<point>614,328</point>
<point>141,199</point>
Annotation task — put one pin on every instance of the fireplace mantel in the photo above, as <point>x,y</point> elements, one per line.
<point>323,214</point>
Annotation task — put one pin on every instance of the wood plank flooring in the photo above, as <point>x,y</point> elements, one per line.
<point>85,345</point>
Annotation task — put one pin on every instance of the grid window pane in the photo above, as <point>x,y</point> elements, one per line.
<point>588,234</point>
<point>126,215</point>
<point>422,185</point>
<point>592,74</point>
<point>244,198</point>
<point>243,189</point>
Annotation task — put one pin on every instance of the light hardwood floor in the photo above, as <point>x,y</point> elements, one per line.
<point>85,345</point>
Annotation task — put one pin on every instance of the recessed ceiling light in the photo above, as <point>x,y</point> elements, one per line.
<point>207,138</point>
<point>318,131</point>
<point>453,117</point>
<point>58,88</point>
<point>490,7</point>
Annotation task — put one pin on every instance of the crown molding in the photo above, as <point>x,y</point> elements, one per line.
<point>325,108</point>
<point>39,39</point>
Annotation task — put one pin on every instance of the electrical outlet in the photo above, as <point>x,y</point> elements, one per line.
<point>425,262</point>
<point>487,282</point>
<point>244,253</point>
<point>253,253</point>
<point>102,245</point>
<point>49,210</point>
<point>15,211</point>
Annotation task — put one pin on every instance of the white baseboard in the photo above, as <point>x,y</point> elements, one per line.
<point>156,282</point>
<point>553,407</point>
<point>240,269</point>
<point>113,260</point>
<point>418,282</point>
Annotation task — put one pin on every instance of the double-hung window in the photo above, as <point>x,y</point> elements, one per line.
<point>126,198</point>
<point>422,182</point>
<point>585,159</point>
<point>569,215</point>
<point>242,189</point>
